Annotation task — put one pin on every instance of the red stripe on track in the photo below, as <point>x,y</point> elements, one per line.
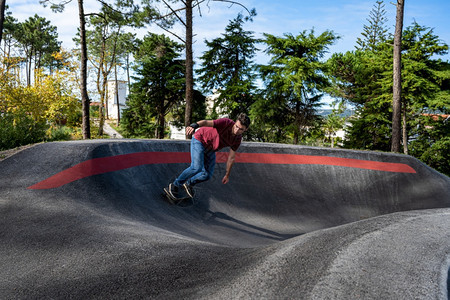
<point>109,164</point>
<point>119,162</point>
<point>295,159</point>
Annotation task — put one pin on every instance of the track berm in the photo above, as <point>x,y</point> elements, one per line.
<point>85,220</point>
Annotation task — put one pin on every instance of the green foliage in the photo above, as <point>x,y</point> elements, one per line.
<point>158,88</point>
<point>423,75</point>
<point>431,142</point>
<point>359,77</point>
<point>39,40</point>
<point>271,119</point>
<point>59,133</point>
<point>375,32</point>
<point>364,78</point>
<point>198,110</point>
<point>35,113</point>
<point>334,122</point>
<point>228,68</point>
<point>295,83</point>
<point>438,156</point>
<point>17,129</point>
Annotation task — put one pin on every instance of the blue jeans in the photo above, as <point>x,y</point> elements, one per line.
<point>202,165</point>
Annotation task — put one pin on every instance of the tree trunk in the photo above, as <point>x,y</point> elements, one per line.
<point>83,73</point>
<point>128,71</point>
<point>101,110</point>
<point>2,17</point>
<point>161,125</point>
<point>29,65</point>
<point>297,123</point>
<point>189,66</point>
<point>116,93</point>
<point>101,87</point>
<point>405,130</point>
<point>397,79</point>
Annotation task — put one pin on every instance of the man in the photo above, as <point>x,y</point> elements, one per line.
<point>211,136</point>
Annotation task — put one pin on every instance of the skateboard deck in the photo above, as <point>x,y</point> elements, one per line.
<point>183,201</point>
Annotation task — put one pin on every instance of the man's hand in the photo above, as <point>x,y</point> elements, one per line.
<point>191,128</point>
<point>230,163</point>
<point>225,179</point>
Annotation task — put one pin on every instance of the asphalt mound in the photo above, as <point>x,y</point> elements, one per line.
<point>86,219</point>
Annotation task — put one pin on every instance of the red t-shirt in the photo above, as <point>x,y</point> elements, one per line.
<point>219,136</point>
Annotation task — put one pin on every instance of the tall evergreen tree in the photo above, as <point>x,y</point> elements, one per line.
<point>188,7</point>
<point>158,88</point>
<point>39,40</point>
<point>356,78</point>
<point>295,80</point>
<point>375,32</point>
<point>423,76</point>
<point>228,68</point>
<point>364,78</point>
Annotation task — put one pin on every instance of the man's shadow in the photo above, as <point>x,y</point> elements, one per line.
<point>224,220</point>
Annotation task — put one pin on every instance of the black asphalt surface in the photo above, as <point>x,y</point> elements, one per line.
<point>276,231</point>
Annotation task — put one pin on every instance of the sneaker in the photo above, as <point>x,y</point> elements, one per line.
<point>189,190</point>
<point>173,190</point>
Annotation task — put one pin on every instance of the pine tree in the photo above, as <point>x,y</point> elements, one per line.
<point>295,81</point>
<point>158,88</point>
<point>39,40</point>
<point>228,67</point>
<point>364,78</point>
<point>375,32</point>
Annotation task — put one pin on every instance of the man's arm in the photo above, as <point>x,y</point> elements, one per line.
<point>203,123</point>
<point>230,163</point>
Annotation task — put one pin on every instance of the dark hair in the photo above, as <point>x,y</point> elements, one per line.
<point>244,119</point>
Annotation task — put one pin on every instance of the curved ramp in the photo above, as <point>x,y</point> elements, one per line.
<point>86,220</point>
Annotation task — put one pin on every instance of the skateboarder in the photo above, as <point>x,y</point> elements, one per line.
<point>211,136</point>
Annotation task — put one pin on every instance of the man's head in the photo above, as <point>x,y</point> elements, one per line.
<point>242,124</point>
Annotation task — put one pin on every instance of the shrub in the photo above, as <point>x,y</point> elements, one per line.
<point>59,133</point>
<point>17,129</point>
<point>438,156</point>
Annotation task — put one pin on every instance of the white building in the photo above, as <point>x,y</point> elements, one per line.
<point>177,133</point>
<point>111,98</point>
<point>211,103</point>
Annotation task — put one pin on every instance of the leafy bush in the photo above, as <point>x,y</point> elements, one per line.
<point>59,133</point>
<point>20,129</point>
<point>438,156</point>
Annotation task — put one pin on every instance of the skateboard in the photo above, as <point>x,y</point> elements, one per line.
<point>182,201</point>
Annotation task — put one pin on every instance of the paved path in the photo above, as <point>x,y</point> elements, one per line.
<point>111,131</point>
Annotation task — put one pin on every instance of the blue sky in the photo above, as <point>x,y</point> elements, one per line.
<point>345,18</point>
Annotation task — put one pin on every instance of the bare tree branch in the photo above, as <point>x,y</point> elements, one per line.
<point>233,3</point>
<point>174,34</point>
<point>173,12</point>
<point>94,14</point>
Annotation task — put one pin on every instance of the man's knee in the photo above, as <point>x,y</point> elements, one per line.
<point>204,176</point>
<point>196,169</point>
<point>208,175</point>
